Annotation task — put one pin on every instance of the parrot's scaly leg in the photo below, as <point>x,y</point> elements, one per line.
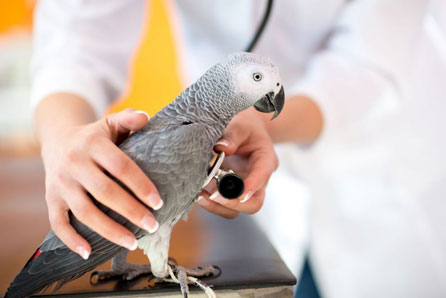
<point>120,267</point>
<point>182,280</point>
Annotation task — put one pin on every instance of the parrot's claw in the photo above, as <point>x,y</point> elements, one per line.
<point>98,276</point>
<point>136,272</point>
<point>184,277</point>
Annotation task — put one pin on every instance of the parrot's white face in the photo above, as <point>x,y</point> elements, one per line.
<point>254,81</point>
<point>257,83</point>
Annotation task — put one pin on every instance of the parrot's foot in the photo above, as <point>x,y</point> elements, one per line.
<point>184,277</point>
<point>128,273</point>
<point>120,267</point>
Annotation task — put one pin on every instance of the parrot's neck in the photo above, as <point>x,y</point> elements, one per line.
<point>187,109</point>
<point>212,98</point>
<point>210,116</point>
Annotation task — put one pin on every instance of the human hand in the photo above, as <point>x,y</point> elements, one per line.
<point>75,160</point>
<point>250,153</point>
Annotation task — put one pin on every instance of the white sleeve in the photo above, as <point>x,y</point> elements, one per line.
<point>84,47</point>
<point>359,72</point>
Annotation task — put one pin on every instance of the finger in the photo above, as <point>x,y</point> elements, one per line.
<point>255,203</point>
<point>86,212</point>
<point>109,193</point>
<point>250,207</point>
<point>125,121</point>
<point>231,140</point>
<point>236,134</point>
<point>119,165</point>
<point>264,163</point>
<point>60,224</point>
<point>203,201</point>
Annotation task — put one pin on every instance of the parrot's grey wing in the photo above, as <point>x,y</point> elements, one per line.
<point>176,160</point>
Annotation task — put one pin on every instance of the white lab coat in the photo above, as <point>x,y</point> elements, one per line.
<point>377,69</point>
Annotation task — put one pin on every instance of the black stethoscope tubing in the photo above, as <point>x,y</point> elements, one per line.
<point>261,28</point>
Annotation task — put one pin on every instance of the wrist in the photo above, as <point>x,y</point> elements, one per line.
<point>59,112</point>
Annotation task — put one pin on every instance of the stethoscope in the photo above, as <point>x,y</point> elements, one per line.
<point>229,184</point>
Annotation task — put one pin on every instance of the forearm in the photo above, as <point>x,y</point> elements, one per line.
<point>59,111</point>
<point>300,121</point>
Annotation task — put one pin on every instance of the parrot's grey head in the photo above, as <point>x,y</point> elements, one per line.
<point>256,82</point>
<point>240,81</point>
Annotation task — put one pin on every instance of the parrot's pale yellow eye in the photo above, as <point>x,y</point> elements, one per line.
<point>257,76</point>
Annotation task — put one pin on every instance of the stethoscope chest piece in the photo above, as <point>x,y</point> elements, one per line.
<point>229,184</point>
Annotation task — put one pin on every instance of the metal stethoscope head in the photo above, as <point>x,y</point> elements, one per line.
<point>229,184</point>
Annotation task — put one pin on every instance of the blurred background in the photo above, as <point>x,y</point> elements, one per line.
<point>16,137</point>
<point>19,153</point>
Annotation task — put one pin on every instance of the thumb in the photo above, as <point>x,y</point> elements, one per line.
<point>125,121</point>
<point>231,140</point>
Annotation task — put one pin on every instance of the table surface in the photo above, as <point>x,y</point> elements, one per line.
<point>237,246</point>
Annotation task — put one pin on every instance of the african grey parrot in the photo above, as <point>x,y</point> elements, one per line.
<point>174,150</point>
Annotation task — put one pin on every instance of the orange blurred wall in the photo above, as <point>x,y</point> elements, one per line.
<point>15,13</point>
<point>154,77</point>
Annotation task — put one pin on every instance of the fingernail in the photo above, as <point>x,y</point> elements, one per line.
<point>155,228</point>
<point>82,252</point>
<point>247,197</point>
<point>129,242</point>
<point>199,198</point>
<point>142,112</point>
<point>155,201</point>
<point>222,142</point>
<point>203,202</point>
<point>214,196</point>
<point>149,224</point>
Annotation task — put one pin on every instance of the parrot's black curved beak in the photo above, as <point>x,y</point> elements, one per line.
<point>271,103</point>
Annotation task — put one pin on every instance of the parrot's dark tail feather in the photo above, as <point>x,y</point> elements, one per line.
<point>13,292</point>
<point>61,282</point>
<point>53,268</point>
<point>30,289</point>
